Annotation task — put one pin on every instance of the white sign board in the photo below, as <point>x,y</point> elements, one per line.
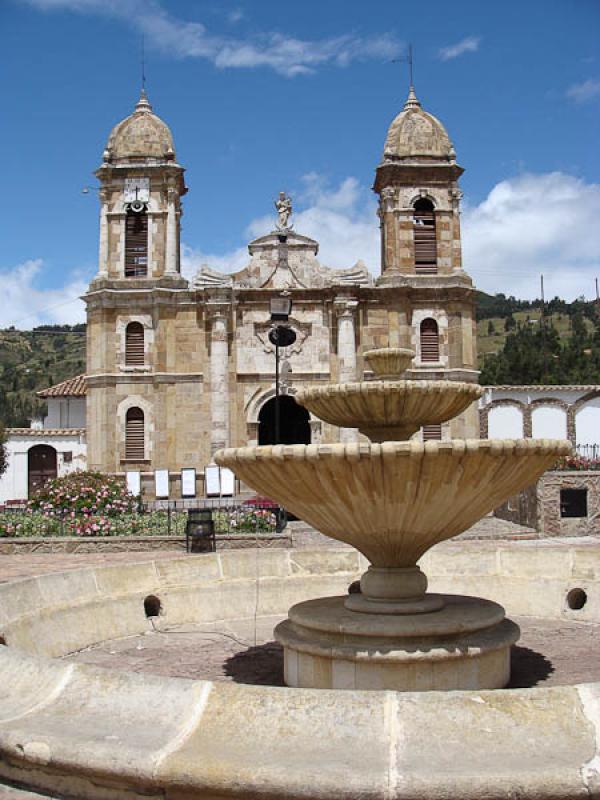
<point>212,481</point>
<point>188,482</point>
<point>134,483</point>
<point>161,483</point>
<point>227,482</point>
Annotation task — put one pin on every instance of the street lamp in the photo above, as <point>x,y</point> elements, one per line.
<point>280,336</point>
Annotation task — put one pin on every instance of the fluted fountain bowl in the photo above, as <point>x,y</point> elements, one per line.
<point>388,363</point>
<point>389,410</point>
<point>393,501</point>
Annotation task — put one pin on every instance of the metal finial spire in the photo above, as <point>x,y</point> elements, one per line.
<point>144,66</point>
<point>412,101</point>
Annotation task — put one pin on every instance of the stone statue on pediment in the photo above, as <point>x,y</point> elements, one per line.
<point>283,206</point>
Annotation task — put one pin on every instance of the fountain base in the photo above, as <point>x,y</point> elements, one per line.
<point>465,645</point>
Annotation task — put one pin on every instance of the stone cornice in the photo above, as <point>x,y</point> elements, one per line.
<point>296,377</point>
<point>101,380</point>
<point>390,173</point>
<point>107,293</point>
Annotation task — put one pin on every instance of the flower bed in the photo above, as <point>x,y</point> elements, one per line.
<point>577,462</point>
<point>31,523</point>
<point>93,504</point>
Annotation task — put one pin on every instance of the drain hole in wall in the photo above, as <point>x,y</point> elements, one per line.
<point>576,599</point>
<point>3,641</point>
<point>152,606</point>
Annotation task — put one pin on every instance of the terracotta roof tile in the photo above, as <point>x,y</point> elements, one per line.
<point>73,387</point>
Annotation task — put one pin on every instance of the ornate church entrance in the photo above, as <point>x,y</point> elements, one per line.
<point>41,466</point>
<point>293,422</point>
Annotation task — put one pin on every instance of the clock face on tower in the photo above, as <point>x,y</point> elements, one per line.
<point>136,189</point>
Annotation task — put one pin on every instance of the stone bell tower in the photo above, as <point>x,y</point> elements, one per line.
<point>141,185</point>
<point>134,333</point>
<point>421,260</point>
<point>417,184</point>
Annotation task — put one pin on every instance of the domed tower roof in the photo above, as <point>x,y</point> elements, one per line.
<point>140,137</point>
<point>417,134</point>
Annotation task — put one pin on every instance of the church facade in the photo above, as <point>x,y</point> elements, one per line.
<point>177,369</point>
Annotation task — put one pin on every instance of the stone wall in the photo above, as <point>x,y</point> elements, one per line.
<point>550,522</point>
<point>539,506</point>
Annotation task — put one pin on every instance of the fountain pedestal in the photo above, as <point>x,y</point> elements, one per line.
<point>465,645</point>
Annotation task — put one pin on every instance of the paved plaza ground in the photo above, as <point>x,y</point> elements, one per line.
<point>549,653</point>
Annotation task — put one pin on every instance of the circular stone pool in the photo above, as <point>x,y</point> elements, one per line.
<point>78,730</point>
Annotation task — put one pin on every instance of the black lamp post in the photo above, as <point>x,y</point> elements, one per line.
<point>280,336</point>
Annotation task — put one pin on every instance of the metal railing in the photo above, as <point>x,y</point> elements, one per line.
<point>591,451</point>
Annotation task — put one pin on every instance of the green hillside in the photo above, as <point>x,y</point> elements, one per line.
<point>33,360</point>
<point>515,346</point>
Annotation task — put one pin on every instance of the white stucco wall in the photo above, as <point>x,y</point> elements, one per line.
<point>505,422</point>
<point>587,423</point>
<point>14,482</point>
<point>65,412</point>
<point>548,422</point>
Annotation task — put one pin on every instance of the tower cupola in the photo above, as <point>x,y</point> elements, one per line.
<point>415,133</point>
<point>140,137</point>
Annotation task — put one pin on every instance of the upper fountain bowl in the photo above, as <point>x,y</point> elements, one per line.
<point>388,363</point>
<point>389,410</point>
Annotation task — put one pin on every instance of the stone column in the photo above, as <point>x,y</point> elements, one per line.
<point>346,310</point>
<point>103,241</point>
<point>219,378</point>
<point>171,243</point>
<point>387,205</point>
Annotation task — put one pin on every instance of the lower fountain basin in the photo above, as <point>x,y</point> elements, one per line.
<point>393,501</point>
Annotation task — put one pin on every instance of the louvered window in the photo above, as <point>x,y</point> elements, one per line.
<point>432,433</point>
<point>134,435</point>
<point>134,344</point>
<point>424,238</point>
<point>430,341</point>
<point>136,244</point>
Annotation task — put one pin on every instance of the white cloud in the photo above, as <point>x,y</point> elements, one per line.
<point>528,225</point>
<point>470,44</point>
<point>535,224</point>
<point>585,91</point>
<point>235,15</point>
<point>25,305</point>
<point>285,54</point>
<point>342,219</point>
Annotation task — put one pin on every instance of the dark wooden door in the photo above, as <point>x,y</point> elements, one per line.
<point>41,464</point>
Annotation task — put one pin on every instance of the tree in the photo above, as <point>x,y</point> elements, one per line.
<point>3,452</point>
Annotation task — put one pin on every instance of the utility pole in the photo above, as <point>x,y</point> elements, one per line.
<point>543,324</point>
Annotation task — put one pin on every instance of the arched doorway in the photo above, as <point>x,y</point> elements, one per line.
<point>294,425</point>
<point>41,466</point>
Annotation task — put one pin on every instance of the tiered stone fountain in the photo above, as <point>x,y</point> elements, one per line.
<point>393,499</point>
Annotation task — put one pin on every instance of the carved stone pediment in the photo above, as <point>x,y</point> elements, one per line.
<point>302,330</point>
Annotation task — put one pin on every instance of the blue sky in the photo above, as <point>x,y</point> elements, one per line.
<point>263,96</point>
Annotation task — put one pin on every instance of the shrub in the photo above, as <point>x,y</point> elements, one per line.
<point>84,494</point>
